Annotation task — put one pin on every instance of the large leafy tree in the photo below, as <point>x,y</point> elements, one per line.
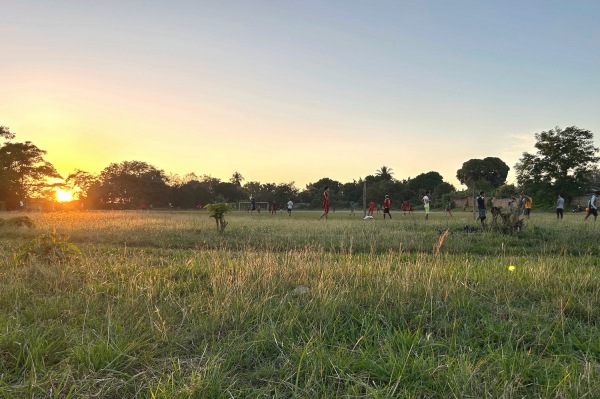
<point>479,171</point>
<point>24,172</point>
<point>285,192</point>
<point>228,192</point>
<point>564,162</point>
<point>313,191</point>
<point>190,193</point>
<point>80,182</point>
<point>131,183</point>
<point>426,181</point>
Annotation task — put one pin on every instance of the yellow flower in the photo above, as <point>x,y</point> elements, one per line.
<point>511,268</point>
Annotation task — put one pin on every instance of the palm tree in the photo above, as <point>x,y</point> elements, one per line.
<point>236,179</point>
<point>384,173</point>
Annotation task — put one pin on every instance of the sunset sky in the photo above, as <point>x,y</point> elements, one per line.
<point>296,90</point>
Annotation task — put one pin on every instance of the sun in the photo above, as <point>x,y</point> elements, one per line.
<point>63,196</point>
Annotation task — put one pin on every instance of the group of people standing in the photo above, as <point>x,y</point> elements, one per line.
<point>592,208</point>
<point>387,204</point>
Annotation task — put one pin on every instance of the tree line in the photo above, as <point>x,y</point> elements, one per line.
<point>565,162</point>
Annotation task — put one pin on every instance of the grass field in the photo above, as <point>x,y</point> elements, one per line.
<point>160,305</point>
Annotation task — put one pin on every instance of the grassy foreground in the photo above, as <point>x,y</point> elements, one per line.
<point>161,306</point>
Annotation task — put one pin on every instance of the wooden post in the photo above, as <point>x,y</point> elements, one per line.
<point>364,198</point>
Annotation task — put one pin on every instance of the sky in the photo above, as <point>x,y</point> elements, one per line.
<point>285,91</point>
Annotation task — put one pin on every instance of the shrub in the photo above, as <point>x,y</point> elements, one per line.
<point>218,212</point>
<point>17,221</point>
<point>50,248</point>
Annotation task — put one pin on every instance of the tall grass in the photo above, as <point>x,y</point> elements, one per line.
<point>299,309</point>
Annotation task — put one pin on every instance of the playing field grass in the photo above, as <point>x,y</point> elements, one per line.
<point>160,305</point>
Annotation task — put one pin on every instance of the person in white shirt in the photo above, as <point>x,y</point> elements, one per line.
<point>426,204</point>
<point>290,205</point>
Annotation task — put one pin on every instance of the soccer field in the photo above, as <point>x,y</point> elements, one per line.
<point>160,305</point>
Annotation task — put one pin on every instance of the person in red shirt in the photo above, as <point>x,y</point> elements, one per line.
<point>404,207</point>
<point>387,203</point>
<point>325,203</point>
<point>371,208</point>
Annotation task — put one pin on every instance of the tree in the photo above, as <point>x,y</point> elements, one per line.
<point>228,192</point>
<point>594,179</point>
<point>313,191</point>
<point>490,169</point>
<point>253,189</point>
<point>191,193</point>
<point>443,189</point>
<point>426,181</point>
<point>23,171</point>
<point>563,162</point>
<point>130,184</point>
<point>80,182</point>
<point>384,173</point>
<point>4,132</point>
<point>237,179</point>
<point>507,191</point>
<point>285,192</point>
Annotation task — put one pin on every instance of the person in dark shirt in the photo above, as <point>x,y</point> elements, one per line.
<point>481,207</point>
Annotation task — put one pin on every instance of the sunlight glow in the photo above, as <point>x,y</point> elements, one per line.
<point>63,196</point>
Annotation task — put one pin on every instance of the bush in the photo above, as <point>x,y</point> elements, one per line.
<point>17,221</point>
<point>49,248</point>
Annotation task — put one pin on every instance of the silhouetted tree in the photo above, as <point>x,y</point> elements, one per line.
<point>24,172</point>
<point>384,173</point>
<point>237,179</point>
<point>129,184</point>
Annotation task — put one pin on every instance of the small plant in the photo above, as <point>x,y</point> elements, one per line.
<point>17,221</point>
<point>218,212</point>
<point>50,248</point>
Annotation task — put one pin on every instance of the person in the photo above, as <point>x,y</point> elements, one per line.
<point>560,206</point>
<point>448,209</point>
<point>290,205</point>
<point>511,203</point>
<point>528,201</point>
<point>252,205</point>
<point>410,208</point>
<point>387,203</point>
<point>404,207</point>
<point>352,206</point>
<point>325,203</point>
<point>273,208</point>
<point>426,204</point>
<point>371,208</point>
<point>481,207</point>
<point>593,206</point>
